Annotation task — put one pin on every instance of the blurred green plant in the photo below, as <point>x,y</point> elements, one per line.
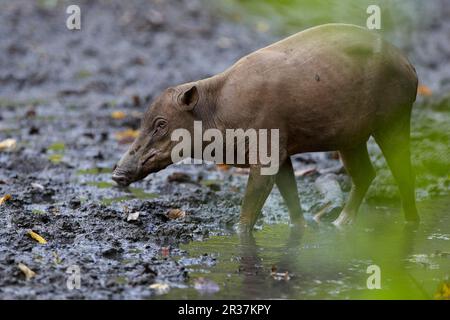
<point>293,15</point>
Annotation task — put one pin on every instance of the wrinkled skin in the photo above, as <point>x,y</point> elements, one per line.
<point>327,88</point>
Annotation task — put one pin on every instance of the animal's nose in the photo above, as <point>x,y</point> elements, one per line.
<point>120,179</point>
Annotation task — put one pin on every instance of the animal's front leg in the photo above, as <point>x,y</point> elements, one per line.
<point>258,188</point>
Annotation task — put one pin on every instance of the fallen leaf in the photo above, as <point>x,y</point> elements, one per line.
<point>37,237</point>
<point>26,271</point>
<point>5,198</point>
<point>127,136</point>
<point>165,251</point>
<point>37,186</point>
<point>423,90</point>
<point>223,167</point>
<point>118,115</point>
<point>133,216</point>
<point>8,145</point>
<point>160,288</point>
<point>176,214</point>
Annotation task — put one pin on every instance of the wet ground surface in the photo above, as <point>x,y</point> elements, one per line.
<point>71,101</point>
<point>325,263</point>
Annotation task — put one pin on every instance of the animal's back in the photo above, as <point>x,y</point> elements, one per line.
<point>330,86</point>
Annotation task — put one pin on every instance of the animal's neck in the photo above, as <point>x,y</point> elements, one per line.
<point>209,89</point>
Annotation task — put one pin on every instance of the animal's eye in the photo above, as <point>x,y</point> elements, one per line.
<point>160,124</point>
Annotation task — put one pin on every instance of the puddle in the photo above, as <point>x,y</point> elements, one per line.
<point>325,263</point>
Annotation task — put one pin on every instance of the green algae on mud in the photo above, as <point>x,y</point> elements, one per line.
<point>132,193</point>
<point>56,152</point>
<point>94,171</point>
<point>326,263</point>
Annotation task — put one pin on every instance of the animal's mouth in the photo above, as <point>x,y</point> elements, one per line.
<point>150,156</point>
<point>121,177</point>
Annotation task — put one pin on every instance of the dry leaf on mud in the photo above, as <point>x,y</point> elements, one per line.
<point>160,288</point>
<point>118,115</point>
<point>127,136</point>
<point>133,216</point>
<point>37,186</point>
<point>223,167</point>
<point>176,214</point>
<point>37,237</point>
<point>165,251</point>
<point>8,145</point>
<point>26,271</point>
<point>5,198</point>
<point>423,90</point>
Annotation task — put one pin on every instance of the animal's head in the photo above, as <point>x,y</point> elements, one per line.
<point>151,151</point>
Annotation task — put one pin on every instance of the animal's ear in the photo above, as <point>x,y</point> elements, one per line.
<point>188,99</point>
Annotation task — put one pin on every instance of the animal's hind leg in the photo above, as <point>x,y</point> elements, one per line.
<point>358,165</point>
<point>394,142</point>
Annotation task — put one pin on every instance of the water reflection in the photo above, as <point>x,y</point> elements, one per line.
<point>325,263</point>
<point>255,274</point>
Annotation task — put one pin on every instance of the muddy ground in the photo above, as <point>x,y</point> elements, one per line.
<point>58,92</point>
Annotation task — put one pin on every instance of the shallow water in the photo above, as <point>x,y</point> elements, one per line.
<point>326,263</point>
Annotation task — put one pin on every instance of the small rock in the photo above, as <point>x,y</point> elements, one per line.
<point>74,203</point>
<point>33,130</point>
<point>179,177</point>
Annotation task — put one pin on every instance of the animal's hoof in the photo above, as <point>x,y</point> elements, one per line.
<point>344,220</point>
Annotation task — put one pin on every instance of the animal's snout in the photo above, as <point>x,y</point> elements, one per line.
<point>120,177</point>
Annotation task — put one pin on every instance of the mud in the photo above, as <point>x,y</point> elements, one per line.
<point>58,90</point>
